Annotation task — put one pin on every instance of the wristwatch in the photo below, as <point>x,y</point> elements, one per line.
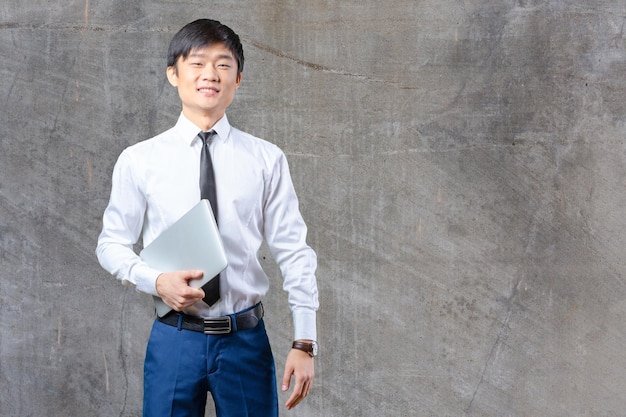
<point>308,347</point>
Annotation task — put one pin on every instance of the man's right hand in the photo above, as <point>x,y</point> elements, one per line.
<point>173,288</point>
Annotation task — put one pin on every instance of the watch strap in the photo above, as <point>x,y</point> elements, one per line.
<point>305,347</point>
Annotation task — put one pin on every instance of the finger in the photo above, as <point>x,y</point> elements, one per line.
<point>306,389</point>
<point>175,304</point>
<point>193,274</point>
<point>292,401</point>
<point>192,296</point>
<point>286,379</point>
<point>296,395</point>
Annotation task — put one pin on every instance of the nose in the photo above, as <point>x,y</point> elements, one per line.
<point>209,73</point>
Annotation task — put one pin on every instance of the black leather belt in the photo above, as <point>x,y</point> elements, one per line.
<point>245,320</point>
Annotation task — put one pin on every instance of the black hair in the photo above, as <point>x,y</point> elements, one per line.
<point>202,33</point>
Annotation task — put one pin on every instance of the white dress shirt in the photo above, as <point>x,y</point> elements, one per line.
<point>155,182</point>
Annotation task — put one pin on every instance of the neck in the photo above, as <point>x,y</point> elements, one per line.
<point>204,121</point>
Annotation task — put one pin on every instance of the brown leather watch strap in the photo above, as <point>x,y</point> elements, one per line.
<point>308,347</point>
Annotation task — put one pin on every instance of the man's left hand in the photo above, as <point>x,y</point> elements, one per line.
<point>302,367</point>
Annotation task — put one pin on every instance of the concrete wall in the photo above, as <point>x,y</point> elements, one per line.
<point>460,164</point>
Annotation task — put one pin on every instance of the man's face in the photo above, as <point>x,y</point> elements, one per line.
<point>206,80</point>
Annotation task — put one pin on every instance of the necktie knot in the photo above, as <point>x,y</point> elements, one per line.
<point>207,136</point>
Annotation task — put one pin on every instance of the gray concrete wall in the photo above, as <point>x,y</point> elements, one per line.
<point>460,164</point>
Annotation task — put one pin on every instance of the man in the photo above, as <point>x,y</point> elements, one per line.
<point>157,181</point>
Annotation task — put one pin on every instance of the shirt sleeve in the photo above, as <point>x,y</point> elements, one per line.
<point>121,227</point>
<point>285,233</point>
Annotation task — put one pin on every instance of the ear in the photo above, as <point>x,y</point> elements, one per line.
<point>238,82</point>
<point>172,75</point>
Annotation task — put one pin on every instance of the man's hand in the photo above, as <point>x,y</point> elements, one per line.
<point>301,366</point>
<point>174,290</point>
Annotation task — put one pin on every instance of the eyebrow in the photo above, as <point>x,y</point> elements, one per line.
<point>201,55</point>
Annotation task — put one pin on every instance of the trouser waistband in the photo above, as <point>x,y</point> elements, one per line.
<point>247,319</point>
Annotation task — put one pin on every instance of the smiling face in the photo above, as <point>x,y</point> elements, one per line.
<point>206,81</point>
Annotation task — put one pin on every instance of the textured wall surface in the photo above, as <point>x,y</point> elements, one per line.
<point>460,164</point>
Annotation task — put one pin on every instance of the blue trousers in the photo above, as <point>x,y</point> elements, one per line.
<point>181,366</point>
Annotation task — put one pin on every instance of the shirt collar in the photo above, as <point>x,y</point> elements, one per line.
<point>189,131</point>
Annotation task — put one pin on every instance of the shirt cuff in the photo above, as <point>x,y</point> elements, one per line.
<point>304,324</point>
<point>146,277</point>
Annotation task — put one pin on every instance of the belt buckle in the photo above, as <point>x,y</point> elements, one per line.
<point>220,325</point>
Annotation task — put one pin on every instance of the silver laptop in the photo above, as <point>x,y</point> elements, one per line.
<point>193,242</point>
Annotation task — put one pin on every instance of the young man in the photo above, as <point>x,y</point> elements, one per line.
<point>155,182</point>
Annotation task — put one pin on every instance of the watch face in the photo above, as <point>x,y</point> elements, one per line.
<point>314,345</point>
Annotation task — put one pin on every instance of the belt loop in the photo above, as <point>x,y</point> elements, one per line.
<point>180,322</point>
<point>233,322</point>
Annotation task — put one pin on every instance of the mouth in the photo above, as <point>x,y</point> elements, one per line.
<point>208,90</point>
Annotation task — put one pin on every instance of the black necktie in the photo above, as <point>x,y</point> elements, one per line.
<point>207,191</point>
